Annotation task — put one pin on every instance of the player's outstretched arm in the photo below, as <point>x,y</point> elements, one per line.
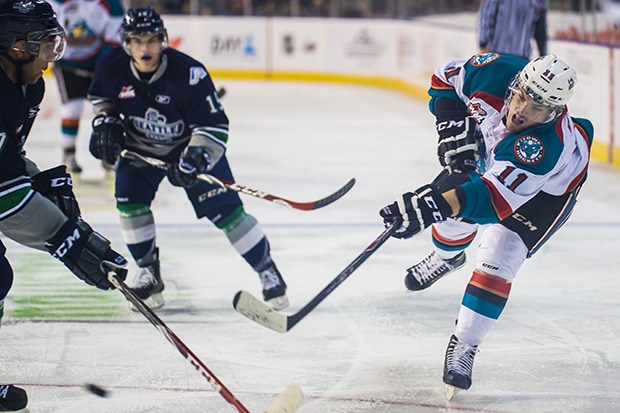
<point>86,253</point>
<point>56,185</point>
<point>415,211</point>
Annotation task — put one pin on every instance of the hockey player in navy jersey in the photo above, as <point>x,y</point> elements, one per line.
<point>38,209</point>
<point>161,103</point>
<point>513,158</point>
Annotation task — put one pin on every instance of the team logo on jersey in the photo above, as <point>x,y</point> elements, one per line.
<point>127,92</point>
<point>24,6</point>
<point>155,127</point>
<point>477,112</point>
<point>483,59</point>
<point>162,99</point>
<point>529,149</point>
<point>196,74</point>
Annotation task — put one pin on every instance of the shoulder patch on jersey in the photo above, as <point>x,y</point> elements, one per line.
<point>529,149</point>
<point>196,74</point>
<point>127,92</point>
<point>483,59</point>
<point>476,111</point>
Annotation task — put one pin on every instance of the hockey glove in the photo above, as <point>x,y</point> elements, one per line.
<point>194,160</point>
<point>56,185</point>
<point>107,138</point>
<point>457,139</point>
<point>86,253</point>
<point>417,210</point>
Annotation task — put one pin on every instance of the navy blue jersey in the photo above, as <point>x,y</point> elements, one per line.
<point>19,106</point>
<point>159,114</point>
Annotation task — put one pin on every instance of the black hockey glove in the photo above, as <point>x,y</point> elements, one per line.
<point>107,138</point>
<point>417,210</point>
<point>86,253</point>
<point>194,160</point>
<point>56,185</point>
<point>457,139</point>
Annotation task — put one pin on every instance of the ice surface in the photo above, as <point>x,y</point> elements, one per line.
<point>370,347</point>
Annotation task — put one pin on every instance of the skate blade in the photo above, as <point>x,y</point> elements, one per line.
<point>154,302</point>
<point>278,303</point>
<point>451,391</point>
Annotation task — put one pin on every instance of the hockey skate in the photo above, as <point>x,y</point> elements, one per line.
<point>148,285</point>
<point>274,287</point>
<point>430,269</point>
<point>68,159</point>
<point>458,366</point>
<point>1,311</point>
<point>13,399</point>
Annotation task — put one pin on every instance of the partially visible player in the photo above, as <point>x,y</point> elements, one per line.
<point>515,159</point>
<point>38,209</point>
<point>92,28</point>
<point>161,103</point>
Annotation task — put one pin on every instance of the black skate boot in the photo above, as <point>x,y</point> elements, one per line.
<point>430,269</point>
<point>274,287</point>
<point>458,366</point>
<point>148,284</point>
<point>13,399</point>
<point>68,158</point>
<point>1,311</point>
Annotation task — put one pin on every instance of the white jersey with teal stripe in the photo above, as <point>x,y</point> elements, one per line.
<point>551,157</point>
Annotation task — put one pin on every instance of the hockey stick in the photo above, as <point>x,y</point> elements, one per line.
<point>256,310</point>
<point>286,402</point>
<point>304,206</point>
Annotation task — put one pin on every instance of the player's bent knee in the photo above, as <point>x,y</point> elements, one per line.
<point>501,253</point>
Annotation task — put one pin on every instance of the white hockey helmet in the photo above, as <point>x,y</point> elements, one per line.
<point>548,80</point>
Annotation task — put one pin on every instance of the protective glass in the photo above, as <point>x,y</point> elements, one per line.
<point>48,45</point>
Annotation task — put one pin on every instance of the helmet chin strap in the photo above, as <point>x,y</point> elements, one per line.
<point>19,66</point>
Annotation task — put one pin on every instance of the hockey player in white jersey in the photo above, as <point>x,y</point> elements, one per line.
<point>513,158</point>
<point>92,28</point>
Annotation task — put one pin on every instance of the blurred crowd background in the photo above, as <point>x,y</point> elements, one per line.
<point>391,9</point>
<point>594,27</point>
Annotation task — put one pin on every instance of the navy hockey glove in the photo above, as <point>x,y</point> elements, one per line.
<point>86,253</point>
<point>417,210</point>
<point>194,160</point>
<point>107,138</point>
<point>457,139</point>
<point>56,185</point>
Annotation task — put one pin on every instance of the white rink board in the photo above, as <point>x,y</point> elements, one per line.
<point>405,51</point>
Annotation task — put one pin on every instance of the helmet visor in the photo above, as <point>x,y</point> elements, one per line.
<point>48,45</point>
<point>529,107</point>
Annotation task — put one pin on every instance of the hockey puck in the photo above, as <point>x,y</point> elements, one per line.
<point>221,92</point>
<point>96,390</point>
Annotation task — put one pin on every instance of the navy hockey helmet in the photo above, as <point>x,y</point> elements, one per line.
<point>143,21</point>
<point>34,22</point>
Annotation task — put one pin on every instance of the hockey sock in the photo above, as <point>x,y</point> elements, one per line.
<point>138,229</point>
<point>484,300</point>
<point>448,248</point>
<point>247,237</point>
<point>69,128</point>
<point>70,113</point>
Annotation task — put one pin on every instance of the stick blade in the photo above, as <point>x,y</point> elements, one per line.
<point>333,197</point>
<point>288,401</point>
<point>259,312</point>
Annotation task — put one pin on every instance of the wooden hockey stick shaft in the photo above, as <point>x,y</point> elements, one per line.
<point>233,186</point>
<point>284,403</point>
<point>256,310</point>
